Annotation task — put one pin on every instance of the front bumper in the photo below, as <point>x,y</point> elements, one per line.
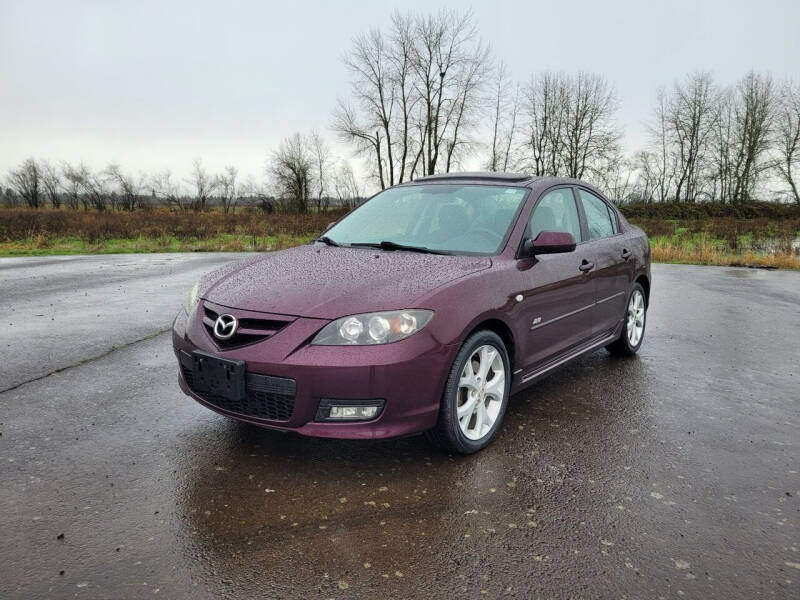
<point>409,375</point>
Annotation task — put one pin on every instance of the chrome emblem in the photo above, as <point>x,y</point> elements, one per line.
<point>225,327</point>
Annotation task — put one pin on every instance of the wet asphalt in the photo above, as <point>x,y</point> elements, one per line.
<point>675,474</point>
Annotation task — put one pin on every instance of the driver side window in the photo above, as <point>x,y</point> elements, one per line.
<point>556,211</point>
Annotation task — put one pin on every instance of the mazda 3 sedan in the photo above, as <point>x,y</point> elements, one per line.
<point>423,310</point>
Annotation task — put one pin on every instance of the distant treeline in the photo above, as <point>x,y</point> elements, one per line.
<point>40,183</point>
<point>428,96</point>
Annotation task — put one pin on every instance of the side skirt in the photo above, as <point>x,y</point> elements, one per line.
<point>531,376</point>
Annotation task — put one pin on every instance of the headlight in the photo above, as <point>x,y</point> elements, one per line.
<point>373,328</point>
<point>191,299</point>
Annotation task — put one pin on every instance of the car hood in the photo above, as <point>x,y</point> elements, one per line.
<point>329,282</point>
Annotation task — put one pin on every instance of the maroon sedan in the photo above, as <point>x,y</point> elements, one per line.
<point>422,310</point>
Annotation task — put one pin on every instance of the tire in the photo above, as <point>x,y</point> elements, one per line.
<point>462,390</point>
<point>629,343</point>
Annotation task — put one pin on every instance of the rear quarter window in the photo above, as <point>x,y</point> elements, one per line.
<point>600,219</point>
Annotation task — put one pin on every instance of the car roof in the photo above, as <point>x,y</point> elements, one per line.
<point>503,178</point>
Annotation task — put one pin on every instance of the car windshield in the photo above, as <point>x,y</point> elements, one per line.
<point>472,219</point>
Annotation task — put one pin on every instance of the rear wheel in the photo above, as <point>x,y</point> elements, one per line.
<point>630,339</point>
<point>475,397</point>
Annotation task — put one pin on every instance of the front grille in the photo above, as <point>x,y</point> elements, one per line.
<point>265,397</point>
<point>248,331</point>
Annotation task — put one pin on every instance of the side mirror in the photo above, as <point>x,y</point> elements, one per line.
<point>549,242</point>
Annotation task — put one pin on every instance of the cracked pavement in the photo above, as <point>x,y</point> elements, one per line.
<point>675,474</point>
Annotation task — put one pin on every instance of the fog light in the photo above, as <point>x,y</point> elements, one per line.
<point>348,410</point>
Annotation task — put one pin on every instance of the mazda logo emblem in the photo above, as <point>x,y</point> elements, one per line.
<point>225,327</point>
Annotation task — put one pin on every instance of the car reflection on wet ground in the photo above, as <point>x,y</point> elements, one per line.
<point>671,474</point>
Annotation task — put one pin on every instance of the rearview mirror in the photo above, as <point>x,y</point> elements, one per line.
<point>549,242</point>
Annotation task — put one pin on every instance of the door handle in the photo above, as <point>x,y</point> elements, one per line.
<point>626,254</point>
<point>586,266</point>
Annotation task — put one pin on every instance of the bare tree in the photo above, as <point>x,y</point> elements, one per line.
<point>27,182</point>
<point>658,167</point>
<point>73,185</point>
<point>691,113</point>
<point>291,170</point>
<point>9,198</point>
<point>449,68</point>
<point>228,192</point>
<point>255,191</point>
<point>646,182</point>
<point>129,187</point>
<point>401,56</point>
<point>368,143</point>
<point>95,188</point>
<point>168,191</point>
<point>83,187</point>
<point>616,176</point>
<point>203,184</point>
<point>465,108</point>
<point>741,139</point>
<point>570,128</point>
<point>499,100</point>
<point>346,186</point>
<point>509,157</point>
<point>546,107</point>
<point>590,135</point>
<point>504,110</point>
<point>723,146</point>
<point>415,93</point>
<point>788,138</point>
<point>321,153</point>
<point>51,182</point>
<point>373,89</point>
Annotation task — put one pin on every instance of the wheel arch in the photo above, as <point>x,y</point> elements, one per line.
<point>644,281</point>
<point>502,329</point>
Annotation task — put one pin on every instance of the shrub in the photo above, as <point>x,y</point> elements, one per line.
<point>681,210</point>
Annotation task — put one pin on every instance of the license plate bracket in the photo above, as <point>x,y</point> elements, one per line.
<point>215,376</point>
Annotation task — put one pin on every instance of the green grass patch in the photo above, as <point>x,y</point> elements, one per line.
<point>218,243</point>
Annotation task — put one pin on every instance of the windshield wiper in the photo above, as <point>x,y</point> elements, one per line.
<point>326,240</point>
<point>389,245</point>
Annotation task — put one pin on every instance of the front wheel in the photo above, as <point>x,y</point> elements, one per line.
<point>476,395</point>
<point>630,339</point>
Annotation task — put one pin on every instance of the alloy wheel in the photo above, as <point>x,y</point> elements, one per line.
<point>636,316</point>
<point>481,391</point>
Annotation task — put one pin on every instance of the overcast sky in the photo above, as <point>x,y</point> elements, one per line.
<point>153,85</point>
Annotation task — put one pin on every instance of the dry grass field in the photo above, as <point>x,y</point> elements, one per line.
<point>761,241</point>
<point>47,231</point>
